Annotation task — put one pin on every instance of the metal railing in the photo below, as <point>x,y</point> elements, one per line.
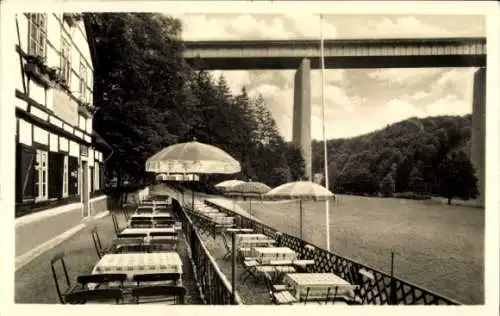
<point>214,287</point>
<point>375,287</point>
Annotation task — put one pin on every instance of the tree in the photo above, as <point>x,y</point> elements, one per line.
<point>456,177</point>
<point>416,182</point>
<point>388,185</point>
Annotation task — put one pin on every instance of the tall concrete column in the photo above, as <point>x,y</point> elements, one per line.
<point>478,135</point>
<point>302,113</point>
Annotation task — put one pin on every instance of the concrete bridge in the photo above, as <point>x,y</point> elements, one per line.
<point>304,55</point>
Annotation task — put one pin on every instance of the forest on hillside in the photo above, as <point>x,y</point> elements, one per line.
<point>428,156</point>
<point>149,98</point>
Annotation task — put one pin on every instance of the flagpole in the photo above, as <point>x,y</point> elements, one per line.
<point>327,203</point>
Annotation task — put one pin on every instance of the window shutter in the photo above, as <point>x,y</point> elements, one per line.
<point>73,176</point>
<point>56,165</point>
<point>25,173</point>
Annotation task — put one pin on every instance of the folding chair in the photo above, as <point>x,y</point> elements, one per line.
<point>115,223</point>
<point>59,257</point>
<point>132,235</point>
<point>161,293</point>
<point>133,248</point>
<point>141,223</point>
<point>279,293</point>
<point>229,250</point>
<point>97,242</point>
<point>98,295</point>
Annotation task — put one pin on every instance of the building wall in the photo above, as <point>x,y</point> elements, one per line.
<point>50,116</point>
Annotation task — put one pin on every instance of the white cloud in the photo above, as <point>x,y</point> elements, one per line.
<point>449,105</point>
<point>407,26</point>
<point>235,79</point>
<point>403,77</point>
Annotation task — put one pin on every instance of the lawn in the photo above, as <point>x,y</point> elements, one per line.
<point>436,246</point>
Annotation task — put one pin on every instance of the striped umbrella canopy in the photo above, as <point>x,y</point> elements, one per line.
<point>228,183</point>
<point>192,157</point>
<point>248,189</point>
<point>302,190</point>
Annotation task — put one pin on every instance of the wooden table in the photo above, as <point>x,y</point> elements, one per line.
<point>318,284</point>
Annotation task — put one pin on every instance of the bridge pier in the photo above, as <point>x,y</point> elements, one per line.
<point>478,132</point>
<point>302,113</point>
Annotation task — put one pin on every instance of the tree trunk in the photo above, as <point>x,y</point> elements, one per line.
<point>449,200</point>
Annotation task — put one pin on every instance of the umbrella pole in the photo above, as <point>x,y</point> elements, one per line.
<point>192,199</point>
<point>250,199</point>
<point>300,203</point>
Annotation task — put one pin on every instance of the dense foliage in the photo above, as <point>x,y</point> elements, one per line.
<point>149,98</point>
<point>427,156</point>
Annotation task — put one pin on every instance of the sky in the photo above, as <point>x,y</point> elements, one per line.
<point>358,101</point>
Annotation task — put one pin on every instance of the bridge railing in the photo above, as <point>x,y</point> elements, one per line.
<point>376,287</point>
<point>214,286</point>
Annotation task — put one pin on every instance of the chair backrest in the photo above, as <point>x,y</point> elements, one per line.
<point>141,223</point>
<point>128,241</point>
<point>82,297</point>
<point>177,292</point>
<point>155,277</point>
<point>163,234</point>
<point>101,278</point>
<point>97,241</point>
<point>125,213</point>
<point>115,223</point>
<point>132,235</point>
<point>59,257</point>
<point>133,248</point>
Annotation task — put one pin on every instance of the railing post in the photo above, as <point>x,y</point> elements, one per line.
<point>233,280</point>
<point>393,297</point>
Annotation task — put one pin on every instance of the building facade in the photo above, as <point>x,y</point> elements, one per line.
<point>57,161</point>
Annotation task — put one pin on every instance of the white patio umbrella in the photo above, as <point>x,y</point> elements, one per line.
<point>192,158</point>
<point>224,185</point>
<point>302,190</point>
<point>248,189</point>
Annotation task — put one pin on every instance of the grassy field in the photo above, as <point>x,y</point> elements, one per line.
<point>436,246</point>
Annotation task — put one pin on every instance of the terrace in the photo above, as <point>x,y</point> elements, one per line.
<point>205,250</point>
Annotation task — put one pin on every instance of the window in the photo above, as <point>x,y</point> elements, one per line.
<point>66,60</point>
<point>37,34</point>
<point>41,168</point>
<point>83,82</point>
<point>65,177</point>
<point>97,174</point>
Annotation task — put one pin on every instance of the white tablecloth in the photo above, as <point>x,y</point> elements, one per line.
<point>139,263</point>
<point>266,254</point>
<point>318,284</point>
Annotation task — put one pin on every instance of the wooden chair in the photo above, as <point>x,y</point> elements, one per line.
<point>141,223</point>
<point>98,295</point>
<point>160,293</point>
<point>279,293</point>
<point>59,257</point>
<point>133,248</point>
<point>115,223</point>
<point>97,242</point>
